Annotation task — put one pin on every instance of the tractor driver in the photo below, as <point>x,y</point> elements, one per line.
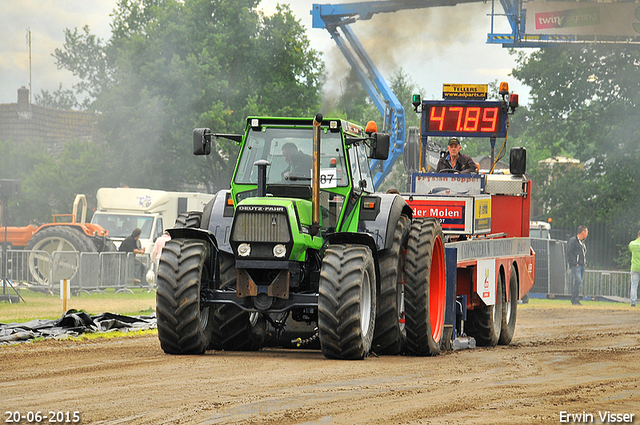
<point>455,161</point>
<point>299,163</point>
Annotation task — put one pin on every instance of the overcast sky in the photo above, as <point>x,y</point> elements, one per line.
<point>434,46</point>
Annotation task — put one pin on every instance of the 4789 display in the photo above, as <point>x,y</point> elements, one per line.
<point>37,417</point>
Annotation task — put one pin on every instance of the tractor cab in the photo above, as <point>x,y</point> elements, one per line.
<point>284,149</point>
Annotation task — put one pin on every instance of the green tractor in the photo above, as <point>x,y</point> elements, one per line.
<point>302,241</point>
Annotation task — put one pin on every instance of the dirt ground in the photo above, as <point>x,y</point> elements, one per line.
<point>563,361</point>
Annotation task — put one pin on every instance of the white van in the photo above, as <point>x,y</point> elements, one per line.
<point>122,209</point>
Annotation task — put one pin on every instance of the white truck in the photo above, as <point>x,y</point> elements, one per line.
<point>540,229</point>
<point>122,209</point>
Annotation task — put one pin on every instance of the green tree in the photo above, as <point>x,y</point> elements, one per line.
<point>404,88</point>
<point>48,185</point>
<point>174,65</point>
<point>582,97</point>
<point>354,103</point>
<point>584,103</point>
<point>168,67</point>
<point>59,99</point>
<point>285,64</point>
<point>86,56</point>
<point>22,162</point>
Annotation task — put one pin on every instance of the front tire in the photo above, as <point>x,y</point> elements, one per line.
<point>425,287</point>
<point>347,302</point>
<point>235,329</point>
<point>184,325</point>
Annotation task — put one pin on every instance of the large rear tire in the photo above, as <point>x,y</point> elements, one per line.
<point>425,288</point>
<point>184,325</point>
<point>189,219</point>
<point>63,238</point>
<point>509,310</point>
<point>347,302</point>
<point>103,244</point>
<point>235,329</point>
<point>390,334</point>
<point>485,323</point>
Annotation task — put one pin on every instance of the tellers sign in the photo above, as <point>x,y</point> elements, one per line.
<point>463,118</point>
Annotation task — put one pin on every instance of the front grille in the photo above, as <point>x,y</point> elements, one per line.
<point>260,227</point>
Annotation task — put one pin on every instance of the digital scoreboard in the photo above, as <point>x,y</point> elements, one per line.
<point>464,118</point>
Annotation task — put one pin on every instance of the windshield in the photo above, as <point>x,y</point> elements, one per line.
<point>121,226</point>
<point>290,152</point>
<point>361,169</point>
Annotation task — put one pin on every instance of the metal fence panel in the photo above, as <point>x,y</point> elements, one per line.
<point>606,283</point>
<point>136,267</point>
<point>541,248</point>
<point>112,270</point>
<point>33,268</point>
<point>40,265</point>
<point>551,267</point>
<point>17,266</point>
<point>124,271</point>
<point>86,271</point>
<point>66,265</point>
<point>557,265</point>
<point>89,272</point>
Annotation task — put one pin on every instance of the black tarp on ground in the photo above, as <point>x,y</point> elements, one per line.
<point>72,323</point>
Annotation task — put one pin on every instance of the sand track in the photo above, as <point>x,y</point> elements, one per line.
<point>562,359</point>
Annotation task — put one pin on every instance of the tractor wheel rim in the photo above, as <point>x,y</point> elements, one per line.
<point>365,318</point>
<point>437,288</point>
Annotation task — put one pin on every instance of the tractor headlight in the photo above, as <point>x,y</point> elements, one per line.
<point>279,250</point>
<point>244,249</point>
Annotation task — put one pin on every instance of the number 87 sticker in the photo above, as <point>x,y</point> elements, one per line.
<point>328,178</point>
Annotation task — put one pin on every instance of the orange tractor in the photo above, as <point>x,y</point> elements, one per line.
<point>65,234</point>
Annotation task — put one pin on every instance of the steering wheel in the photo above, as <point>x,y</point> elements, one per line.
<point>294,178</point>
<point>448,170</point>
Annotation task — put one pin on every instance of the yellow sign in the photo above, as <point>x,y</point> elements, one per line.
<point>465,91</point>
<point>482,214</point>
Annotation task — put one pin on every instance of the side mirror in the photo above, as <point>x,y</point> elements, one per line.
<point>201,141</point>
<point>379,146</point>
<point>518,161</point>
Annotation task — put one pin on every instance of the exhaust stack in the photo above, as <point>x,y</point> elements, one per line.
<point>315,178</point>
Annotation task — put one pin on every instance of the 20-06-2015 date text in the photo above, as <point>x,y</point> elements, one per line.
<point>38,417</point>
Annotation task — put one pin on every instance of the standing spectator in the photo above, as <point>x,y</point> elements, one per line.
<point>132,244</point>
<point>634,247</point>
<point>577,258</point>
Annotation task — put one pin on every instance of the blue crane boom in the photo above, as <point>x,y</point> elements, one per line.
<point>336,20</point>
<point>336,14</point>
